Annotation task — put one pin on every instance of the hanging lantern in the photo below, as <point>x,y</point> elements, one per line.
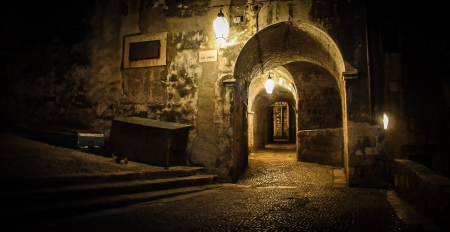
<point>220,26</point>
<point>269,84</point>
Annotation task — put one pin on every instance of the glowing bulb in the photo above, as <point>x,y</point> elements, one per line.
<point>220,26</point>
<point>385,121</point>
<point>269,85</point>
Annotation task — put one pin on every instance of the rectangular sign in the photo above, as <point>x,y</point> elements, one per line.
<point>207,56</point>
<point>144,50</point>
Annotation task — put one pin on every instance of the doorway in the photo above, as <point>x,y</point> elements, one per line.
<point>281,122</point>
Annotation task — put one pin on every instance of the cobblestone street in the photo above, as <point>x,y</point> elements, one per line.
<point>276,193</point>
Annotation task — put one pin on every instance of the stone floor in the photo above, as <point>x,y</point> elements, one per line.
<point>276,193</point>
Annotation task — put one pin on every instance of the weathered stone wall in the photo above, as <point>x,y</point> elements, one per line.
<point>48,64</point>
<point>427,190</point>
<point>319,104</point>
<point>323,146</point>
<point>368,164</point>
<point>68,68</point>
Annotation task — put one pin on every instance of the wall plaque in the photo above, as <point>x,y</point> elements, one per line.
<point>207,56</point>
<point>145,50</point>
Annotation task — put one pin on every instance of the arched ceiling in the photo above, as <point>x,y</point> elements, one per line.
<point>263,100</point>
<point>284,87</point>
<point>285,43</point>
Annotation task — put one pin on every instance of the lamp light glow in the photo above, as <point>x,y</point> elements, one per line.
<point>269,84</point>
<point>385,121</point>
<point>220,26</point>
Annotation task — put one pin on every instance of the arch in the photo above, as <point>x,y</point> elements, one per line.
<point>271,48</point>
<point>299,42</point>
<point>282,78</point>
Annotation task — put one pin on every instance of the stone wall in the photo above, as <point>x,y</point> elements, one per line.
<point>319,104</point>
<point>68,68</point>
<point>428,191</point>
<point>368,165</point>
<point>48,64</point>
<point>322,146</point>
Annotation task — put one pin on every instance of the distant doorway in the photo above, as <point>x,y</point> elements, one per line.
<point>280,121</point>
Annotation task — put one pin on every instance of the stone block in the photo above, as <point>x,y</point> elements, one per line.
<point>372,150</point>
<point>424,188</point>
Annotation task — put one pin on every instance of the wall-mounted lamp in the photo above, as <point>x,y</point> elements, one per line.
<point>269,84</point>
<point>220,25</point>
<point>385,121</point>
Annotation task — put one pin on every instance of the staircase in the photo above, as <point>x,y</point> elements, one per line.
<point>48,198</point>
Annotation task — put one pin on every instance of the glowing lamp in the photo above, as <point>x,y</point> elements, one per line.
<point>269,84</point>
<point>385,121</point>
<point>220,26</point>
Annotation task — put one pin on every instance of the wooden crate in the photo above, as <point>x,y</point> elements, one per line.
<point>149,141</point>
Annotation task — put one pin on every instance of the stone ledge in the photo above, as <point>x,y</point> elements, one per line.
<point>427,190</point>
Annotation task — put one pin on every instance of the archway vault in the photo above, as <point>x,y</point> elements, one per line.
<point>288,42</point>
<point>271,49</point>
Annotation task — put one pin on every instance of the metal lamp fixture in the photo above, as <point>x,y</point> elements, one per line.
<point>269,84</point>
<point>220,25</point>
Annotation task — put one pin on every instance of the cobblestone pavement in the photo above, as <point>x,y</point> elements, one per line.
<point>274,194</point>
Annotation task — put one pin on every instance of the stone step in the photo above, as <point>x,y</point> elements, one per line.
<point>35,197</point>
<point>49,197</point>
<point>12,185</point>
<point>54,211</point>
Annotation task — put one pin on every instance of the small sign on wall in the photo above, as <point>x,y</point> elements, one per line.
<point>207,56</point>
<point>145,50</point>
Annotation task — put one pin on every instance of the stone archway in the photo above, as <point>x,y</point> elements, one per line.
<point>277,46</point>
<point>259,103</point>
